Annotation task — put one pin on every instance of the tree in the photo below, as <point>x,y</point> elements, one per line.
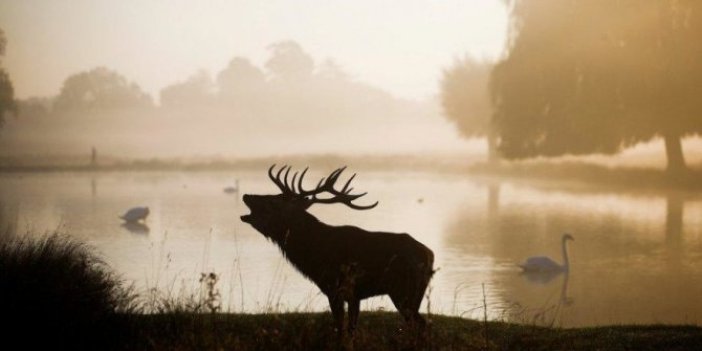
<point>3,42</point>
<point>7,92</point>
<point>197,90</point>
<point>465,98</point>
<point>239,78</point>
<point>34,107</point>
<point>330,70</point>
<point>597,76</point>
<point>100,89</point>
<point>289,62</point>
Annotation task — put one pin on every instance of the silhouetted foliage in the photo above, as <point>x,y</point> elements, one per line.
<point>56,292</point>
<point>99,89</point>
<point>465,98</point>
<point>288,62</point>
<point>239,78</point>
<point>291,95</point>
<point>597,76</point>
<point>34,107</point>
<point>7,93</point>
<point>197,90</point>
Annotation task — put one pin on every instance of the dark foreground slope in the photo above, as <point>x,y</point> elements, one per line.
<point>383,331</point>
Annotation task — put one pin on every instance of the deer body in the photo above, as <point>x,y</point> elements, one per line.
<point>347,263</point>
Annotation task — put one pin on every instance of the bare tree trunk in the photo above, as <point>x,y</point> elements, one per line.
<point>674,153</point>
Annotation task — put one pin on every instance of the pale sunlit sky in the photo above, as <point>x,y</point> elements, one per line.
<point>399,46</point>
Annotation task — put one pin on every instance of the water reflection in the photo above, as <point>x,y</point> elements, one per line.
<point>136,228</point>
<point>638,256</point>
<point>633,263</point>
<point>93,186</point>
<point>9,217</point>
<point>675,205</point>
<point>541,277</point>
<point>565,299</point>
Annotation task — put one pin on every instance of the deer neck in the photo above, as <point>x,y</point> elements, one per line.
<point>298,226</point>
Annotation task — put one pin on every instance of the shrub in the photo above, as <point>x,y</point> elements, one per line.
<point>54,291</point>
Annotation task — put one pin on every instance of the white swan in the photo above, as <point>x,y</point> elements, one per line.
<point>543,264</point>
<point>135,214</point>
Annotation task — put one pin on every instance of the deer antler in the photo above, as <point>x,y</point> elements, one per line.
<point>281,184</point>
<point>326,184</point>
<point>343,196</point>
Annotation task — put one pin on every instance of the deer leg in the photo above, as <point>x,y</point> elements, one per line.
<point>416,325</point>
<point>354,310</point>
<point>337,309</point>
<point>400,303</point>
<point>409,309</point>
<point>413,306</point>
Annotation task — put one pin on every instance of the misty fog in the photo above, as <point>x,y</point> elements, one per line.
<point>489,131</point>
<point>290,106</point>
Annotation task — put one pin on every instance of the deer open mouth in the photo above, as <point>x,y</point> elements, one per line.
<point>248,217</point>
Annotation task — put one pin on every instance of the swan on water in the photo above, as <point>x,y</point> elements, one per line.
<point>547,265</point>
<point>135,214</point>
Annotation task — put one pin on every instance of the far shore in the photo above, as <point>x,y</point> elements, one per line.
<point>548,173</point>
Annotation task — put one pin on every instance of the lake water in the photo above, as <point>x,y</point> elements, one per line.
<point>636,258</point>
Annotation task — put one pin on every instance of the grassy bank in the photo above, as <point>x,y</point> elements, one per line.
<point>56,293</point>
<point>382,331</point>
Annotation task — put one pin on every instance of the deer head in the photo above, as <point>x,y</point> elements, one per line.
<point>273,214</point>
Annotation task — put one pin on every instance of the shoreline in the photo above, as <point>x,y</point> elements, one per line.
<point>541,173</point>
<point>385,331</point>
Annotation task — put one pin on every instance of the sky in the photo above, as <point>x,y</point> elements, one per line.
<point>398,46</point>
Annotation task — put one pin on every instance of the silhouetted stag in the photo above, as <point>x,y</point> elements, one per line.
<point>347,263</point>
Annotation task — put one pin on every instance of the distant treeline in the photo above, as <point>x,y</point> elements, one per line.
<point>399,162</point>
<point>291,104</point>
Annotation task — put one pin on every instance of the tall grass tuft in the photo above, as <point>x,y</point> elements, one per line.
<point>55,292</point>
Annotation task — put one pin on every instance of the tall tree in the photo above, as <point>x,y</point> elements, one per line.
<point>240,78</point>
<point>465,99</point>
<point>100,89</point>
<point>289,62</point>
<point>597,76</point>
<point>7,92</point>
